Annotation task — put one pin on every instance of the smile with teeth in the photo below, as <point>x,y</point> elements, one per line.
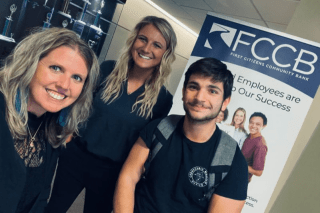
<point>253,130</point>
<point>144,57</point>
<point>55,95</point>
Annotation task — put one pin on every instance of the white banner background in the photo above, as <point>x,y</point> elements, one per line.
<point>282,128</point>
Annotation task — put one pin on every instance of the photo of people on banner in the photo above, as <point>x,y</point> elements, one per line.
<point>274,83</point>
<point>253,145</point>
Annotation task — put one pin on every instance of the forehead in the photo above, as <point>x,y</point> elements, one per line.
<point>256,119</point>
<point>65,53</point>
<point>152,31</point>
<point>68,58</point>
<point>205,80</point>
<point>149,28</point>
<point>239,112</point>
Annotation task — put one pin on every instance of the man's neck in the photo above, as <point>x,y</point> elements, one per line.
<point>255,135</point>
<point>198,132</point>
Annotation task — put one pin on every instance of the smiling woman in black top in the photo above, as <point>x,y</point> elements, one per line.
<point>44,85</point>
<point>131,95</point>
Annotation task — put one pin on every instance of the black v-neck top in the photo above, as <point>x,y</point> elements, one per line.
<point>113,128</point>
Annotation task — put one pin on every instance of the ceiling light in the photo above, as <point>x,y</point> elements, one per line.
<point>172,18</point>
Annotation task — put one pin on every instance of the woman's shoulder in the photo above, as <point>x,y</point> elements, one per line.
<point>3,122</point>
<point>1,97</point>
<point>2,103</point>
<point>164,103</point>
<point>107,63</point>
<point>229,125</point>
<point>165,95</point>
<point>106,68</point>
<point>243,132</point>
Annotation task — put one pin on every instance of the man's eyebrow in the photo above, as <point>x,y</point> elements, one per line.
<point>212,86</point>
<point>193,82</point>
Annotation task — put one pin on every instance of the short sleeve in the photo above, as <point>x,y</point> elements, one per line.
<point>2,106</point>
<point>259,157</point>
<point>163,105</point>
<point>235,184</point>
<point>106,68</point>
<point>147,132</point>
<point>242,139</point>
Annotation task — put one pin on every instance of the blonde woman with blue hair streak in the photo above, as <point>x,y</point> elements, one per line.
<point>46,87</point>
<point>130,96</point>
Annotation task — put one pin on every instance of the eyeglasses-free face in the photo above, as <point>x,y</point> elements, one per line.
<point>58,81</point>
<point>255,126</point>
<point>203,98</point>
<point>148,48</point>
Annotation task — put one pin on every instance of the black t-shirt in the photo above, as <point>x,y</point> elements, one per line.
<point>113,128</point>
<point>177,178</point>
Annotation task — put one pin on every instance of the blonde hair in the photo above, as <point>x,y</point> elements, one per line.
<point>19,69</point>
<point>241,126</point>
<point>114,83</point>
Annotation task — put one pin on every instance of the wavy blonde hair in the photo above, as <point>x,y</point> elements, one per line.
<point>114,83</point>
<point>19,69</point>
<point>241,126</point>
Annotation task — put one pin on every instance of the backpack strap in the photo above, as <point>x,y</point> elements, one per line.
<point>164,130</point>
<point>161,135</point>
<point>221,162</point>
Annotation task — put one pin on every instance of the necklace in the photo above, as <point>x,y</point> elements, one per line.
<point>33,138</point>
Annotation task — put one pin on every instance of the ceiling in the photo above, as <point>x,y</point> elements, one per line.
<point>274,14</point>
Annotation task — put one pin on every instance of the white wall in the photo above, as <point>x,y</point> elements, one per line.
<point>132,12</point>
<point>301,177</point>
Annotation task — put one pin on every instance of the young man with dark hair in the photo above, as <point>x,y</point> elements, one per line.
<point>185,163</point>
<point>255,147</point>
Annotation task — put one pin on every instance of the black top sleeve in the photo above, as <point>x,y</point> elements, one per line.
<point>235,184</point>
<point>147,132</point>
<point>163,105</point>
<point>2,108</point>
<point>106,68</point>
